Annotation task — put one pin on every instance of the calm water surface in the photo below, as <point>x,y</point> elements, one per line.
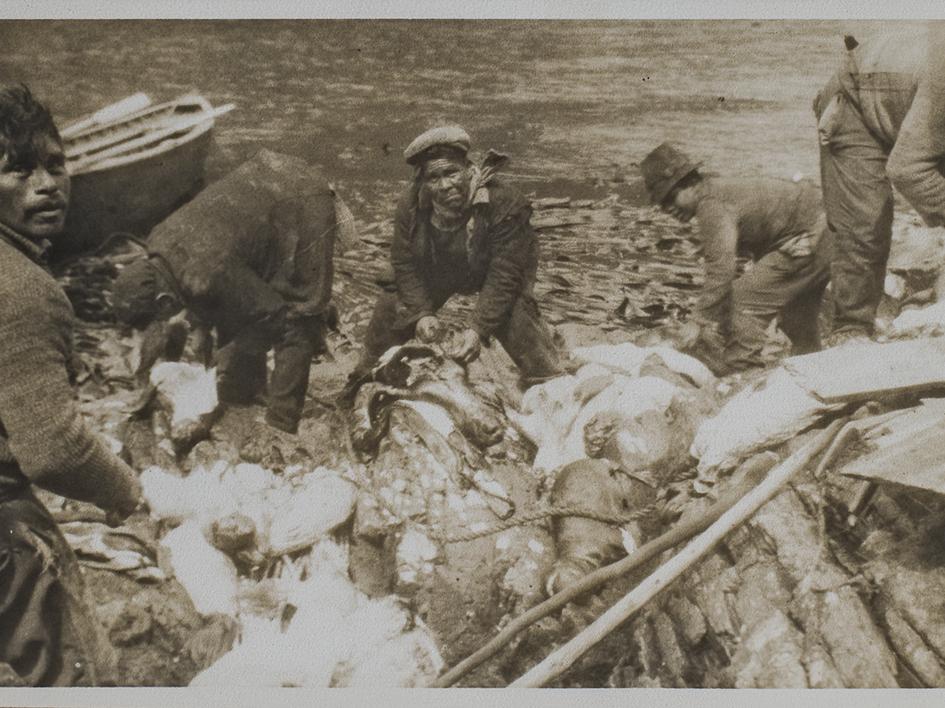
<point>570,100</point>
<point>576,104</point>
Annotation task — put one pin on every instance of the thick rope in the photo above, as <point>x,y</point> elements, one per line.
<point>542,514</point>
<point>749,475</point>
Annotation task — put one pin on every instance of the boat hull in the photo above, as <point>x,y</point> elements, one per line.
<point>133,197</point>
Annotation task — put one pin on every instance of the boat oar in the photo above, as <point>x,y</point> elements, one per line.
<point>748,475</point>
<point>564,657</point>
<point>109,113</point>
<point>151,138</point>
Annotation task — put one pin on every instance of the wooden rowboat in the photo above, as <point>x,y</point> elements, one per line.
<point>130,170</point>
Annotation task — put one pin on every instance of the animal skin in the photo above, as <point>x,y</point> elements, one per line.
<point>582,545</point>
<point>401,375</point>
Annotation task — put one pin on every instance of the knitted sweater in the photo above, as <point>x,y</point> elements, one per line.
<point>42,434</point>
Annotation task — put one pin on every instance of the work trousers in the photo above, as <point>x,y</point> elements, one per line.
<point>524,336</point>
<point>46,635</point>
<point>778,285</point>
<point>241,372</point>
<point>858,199</point>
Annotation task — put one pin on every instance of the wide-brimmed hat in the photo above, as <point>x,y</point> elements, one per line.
<point>451,137</point>
<point>663,169</point>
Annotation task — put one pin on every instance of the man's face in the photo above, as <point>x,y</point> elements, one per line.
<point>34,197</point>
<point>447,180</point>
<point>681,203</point>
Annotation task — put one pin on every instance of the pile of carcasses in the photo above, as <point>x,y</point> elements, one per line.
<point>632,405</point>
<point>605,439</point>
<point>244,514</point>
<point>759,416</point>
<point>253,545</point>
<point>610,437</point>
<point>257,546</point>
<point>326,633</point>
<point>242,545</point>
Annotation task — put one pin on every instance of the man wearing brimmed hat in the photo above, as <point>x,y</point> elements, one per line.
<point>458,229</point>
<point>779,224</point>
<point>46,635</point>
<point>881,123</point>
<point>251,256</point>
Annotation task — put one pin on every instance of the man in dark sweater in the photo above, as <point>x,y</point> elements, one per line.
<point>458,229</point>
<point>45,634</point>
<point>250,256</point>
<point>779,224</point>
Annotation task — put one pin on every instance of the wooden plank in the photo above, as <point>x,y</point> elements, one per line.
<point>858,372</point>
<point>554,221</point>
<point>132,126</point>
<point>896,426</point>
<point>111,112</point>
<point>172,130</point>
<point>917,461</point>
<point>551,203</point>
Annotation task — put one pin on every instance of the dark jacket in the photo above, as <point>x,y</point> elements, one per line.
<point>253,241</point>
<point>749,217</point>
<point>43,437</point>
<point>896,85</point>
<point>496,255</point>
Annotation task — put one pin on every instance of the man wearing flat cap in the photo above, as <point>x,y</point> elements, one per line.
<point>458,229</point>
<point>778,224</point>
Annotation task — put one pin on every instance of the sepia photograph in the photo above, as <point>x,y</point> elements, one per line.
<point>405,350</point>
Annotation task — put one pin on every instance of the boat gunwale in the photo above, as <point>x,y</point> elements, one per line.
<point>164,146</point>
<point>139,115</point>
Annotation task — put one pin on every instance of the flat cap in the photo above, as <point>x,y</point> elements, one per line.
<point>449,136</point>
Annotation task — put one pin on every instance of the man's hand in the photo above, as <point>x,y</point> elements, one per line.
<point>689,334</point>
<point>467,346</point>
<point>115,517</point>
<point>700,331</point>
<point>429,329</point>
<point>117,514</point>
<point>800,246</point>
